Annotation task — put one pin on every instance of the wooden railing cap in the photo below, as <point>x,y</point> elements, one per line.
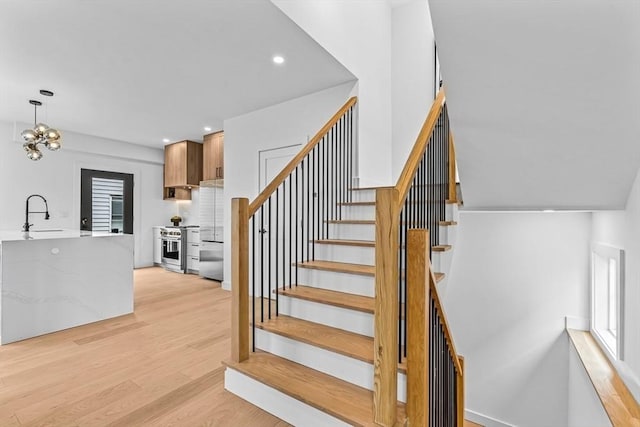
<point>275,183</point>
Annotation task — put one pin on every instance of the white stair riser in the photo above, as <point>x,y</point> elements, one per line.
<point>364,196</point>
<point>343,367</point>
<point>439,261</point>
<point>366,255</point>
<point>358,284</point>
<point>337,317</point>
<point>447,234</point>
<point>453,213</point>
<point>352,231</point>
<point>359,212</point>
<point>277,403</point>
<point>345,253</point>
<point>369,212</point>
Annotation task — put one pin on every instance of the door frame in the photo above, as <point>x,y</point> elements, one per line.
<point>87,174</point>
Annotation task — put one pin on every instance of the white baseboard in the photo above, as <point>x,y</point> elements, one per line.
<point>484,420</point>
<point>578,323</point>
<point>226,285</point>
<point>277,403</point>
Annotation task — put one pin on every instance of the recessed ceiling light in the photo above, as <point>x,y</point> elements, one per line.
<point>548,210</point>
<point>165,140</point>
<point>278,59</point>
<point>207,129</point>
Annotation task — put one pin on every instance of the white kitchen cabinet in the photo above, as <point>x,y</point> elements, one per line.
<point>193,250</point>
<point>157,245</point>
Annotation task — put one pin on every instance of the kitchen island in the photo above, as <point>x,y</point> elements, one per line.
<point>57,279</point>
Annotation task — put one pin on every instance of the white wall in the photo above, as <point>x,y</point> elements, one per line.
<point>514,277</point>
<point>289,123</point>
<point>57,177</point>
<point>412,79</point>
<point>358,34</point>
<point>622,229</point>
<point>585,407</point>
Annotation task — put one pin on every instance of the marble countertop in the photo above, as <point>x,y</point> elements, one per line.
<point>44,234</point>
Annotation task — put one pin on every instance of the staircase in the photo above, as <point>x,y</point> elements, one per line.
<point>325,328</point>
<point>313,309</point>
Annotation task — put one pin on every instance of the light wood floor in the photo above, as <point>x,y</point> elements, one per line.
<point>157,367</point>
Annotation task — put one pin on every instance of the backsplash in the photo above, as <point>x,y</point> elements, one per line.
<point>188,209</point>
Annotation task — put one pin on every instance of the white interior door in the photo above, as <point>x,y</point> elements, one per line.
<point>273,228</point>
<point>273,161</point>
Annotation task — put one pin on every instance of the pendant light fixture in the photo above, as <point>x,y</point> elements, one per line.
<point>40,134</point>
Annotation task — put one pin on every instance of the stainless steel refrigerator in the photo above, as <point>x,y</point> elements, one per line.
<point>212,229</point>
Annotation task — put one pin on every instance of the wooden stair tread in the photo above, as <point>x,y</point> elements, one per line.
<point>344,242</point>
<point>370,188</point>
<point>372,221</point>
<point>343,400</point>
<point>448,202</point>
<point>336,340</point>
<point>370,243</point>
<point>357,203</point>
<point>339,341</point>
<point>340,267</point>
<point>335,298</point>
<point>344,267</point>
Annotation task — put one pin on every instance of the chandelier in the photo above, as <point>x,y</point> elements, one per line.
<point>40,134</point>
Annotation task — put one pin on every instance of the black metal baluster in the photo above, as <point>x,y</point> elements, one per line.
<point>314,223</point>
<point>269,252</point>
<point>297,226</point>
<point>305,218</point>
<point>290,230</point>
<point>284,234</point>
<point>277,264</point>
<point>262,263</point>
<point>335,172</point>
<point>325,185</point>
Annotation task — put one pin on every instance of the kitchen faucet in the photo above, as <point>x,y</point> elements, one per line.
<point>26,211</point>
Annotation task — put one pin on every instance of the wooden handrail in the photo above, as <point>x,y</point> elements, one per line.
<point>275,183</point>
<point>443,318</point>
<point>460,390</point>
<point>411,166</point>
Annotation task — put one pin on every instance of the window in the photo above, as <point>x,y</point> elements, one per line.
<point>607,296</point>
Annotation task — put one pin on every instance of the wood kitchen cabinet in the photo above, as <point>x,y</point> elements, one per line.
<point>182,169</point>
<point>213,156</point>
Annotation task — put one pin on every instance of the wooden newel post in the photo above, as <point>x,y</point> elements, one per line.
<point>239,279</point>
<point>417,323</point>
<point>385,367</point>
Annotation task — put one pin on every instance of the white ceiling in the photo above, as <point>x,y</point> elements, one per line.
<point>140,71</point>
<point>544,99</point>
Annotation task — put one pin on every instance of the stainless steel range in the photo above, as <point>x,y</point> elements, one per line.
<point>174,248</point>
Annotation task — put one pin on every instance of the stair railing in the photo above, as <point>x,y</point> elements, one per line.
<point>404,213</point>
<point>275,232</point>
